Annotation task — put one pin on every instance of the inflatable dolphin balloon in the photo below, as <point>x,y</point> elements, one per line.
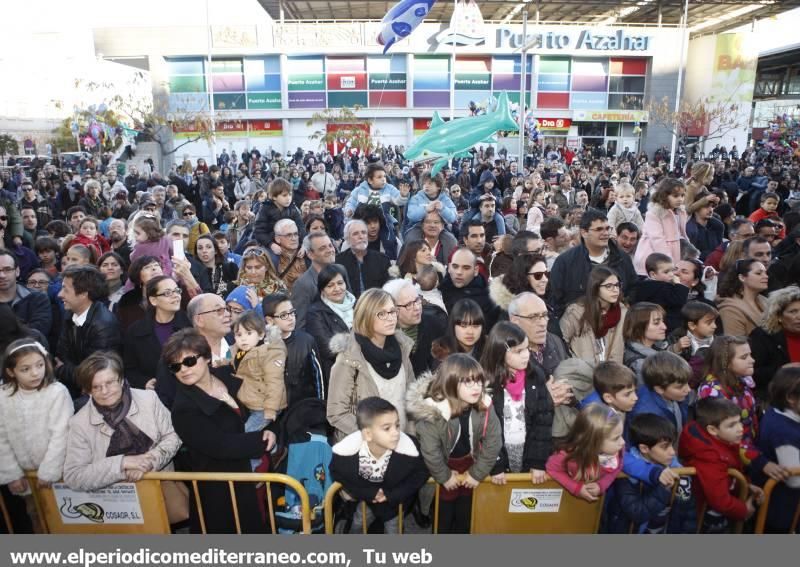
<point>401,20</point>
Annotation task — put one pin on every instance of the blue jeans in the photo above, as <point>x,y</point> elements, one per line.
<point>256,422</point>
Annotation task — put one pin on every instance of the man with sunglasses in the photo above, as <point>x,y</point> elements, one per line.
<point>571,269</point>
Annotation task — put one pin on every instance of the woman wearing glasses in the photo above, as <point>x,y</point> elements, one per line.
<point>120,434</point>
<point>331,314</point>
<point>372,360</point>
<point>145,338</point>
<point>592,326</point>
<point>210,422</point>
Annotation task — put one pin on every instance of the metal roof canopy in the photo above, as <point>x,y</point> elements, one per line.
<point>626,12</point>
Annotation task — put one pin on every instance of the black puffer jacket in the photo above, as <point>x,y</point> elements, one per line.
<point>323,323</point>
<point>477,291</point>
<point>100,331</point>
<point>539,412</point>
<point>303,377</point>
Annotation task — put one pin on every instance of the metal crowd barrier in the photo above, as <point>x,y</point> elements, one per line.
<point>153,520</point>
<point>763,511</point>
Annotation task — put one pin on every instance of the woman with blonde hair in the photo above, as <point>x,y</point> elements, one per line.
<point>701,177</point>
<point>372,360</point>
<point>776,341</point>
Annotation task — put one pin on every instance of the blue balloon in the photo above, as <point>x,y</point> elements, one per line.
<point>401,20</point>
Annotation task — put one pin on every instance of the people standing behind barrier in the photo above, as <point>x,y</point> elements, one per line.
<point>459,433</point>
<point>592,327</point>
<point>34,414</point>
<point>522,401</point>
<point>120,434</point>
<point>394,472</point>
<point>210,422</point>
<point>590,458</point>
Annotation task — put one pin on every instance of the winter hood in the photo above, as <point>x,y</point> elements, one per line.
<point>499,293</point>
<point>487,175</point>
<point>351,444</point>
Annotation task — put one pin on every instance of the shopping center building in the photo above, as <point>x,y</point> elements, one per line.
<point>262,69</point>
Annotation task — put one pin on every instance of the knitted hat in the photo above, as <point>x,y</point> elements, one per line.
<point>239,295</point>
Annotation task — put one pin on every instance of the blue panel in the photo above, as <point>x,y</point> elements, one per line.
<point>425,82</point>
<point>185,67</point>
<point>510,64</point>
<point>553,83</point>
<point>188,102</point>
<point>263,83</point>
<point>589,101</point>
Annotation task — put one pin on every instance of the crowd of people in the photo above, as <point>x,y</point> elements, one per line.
<point>570,318</point>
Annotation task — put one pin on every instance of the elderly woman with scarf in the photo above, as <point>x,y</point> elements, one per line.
<point>120,434</point>
<point>331,313</point>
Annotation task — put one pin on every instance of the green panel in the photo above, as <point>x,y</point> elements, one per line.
<point>187,84</point>
<point>338,99</point>
<point>432,64</point>
<point>315,82</point>
<point>226,66</point>
<point>263,100</point>
<point>554,65</point>
<point>229,101</point>
<point>387,82</point>
<point>513,96</point>
<point>474,82</point>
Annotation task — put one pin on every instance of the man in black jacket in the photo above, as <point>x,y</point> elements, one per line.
<point>30,307</point>
<point>571,269</point>
<point>88,326</point>
<point>464,282</point>
<point>365,268</point>
<point>419,326</point>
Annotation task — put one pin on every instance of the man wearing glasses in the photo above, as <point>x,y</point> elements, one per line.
<point>291,263</point>
<point>419,325</point>
<point>30,307</point>
<point>571,269</point>
<point>212,319</point>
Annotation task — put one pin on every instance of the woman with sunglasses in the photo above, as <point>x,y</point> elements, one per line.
<point>210,422</point>
<point>372,360</point>
<point>331,313</point>
<point>528,272</point>
<point>145,338</point>
<point>592,326</point>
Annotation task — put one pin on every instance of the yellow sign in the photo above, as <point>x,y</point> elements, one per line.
<point>735,60</point>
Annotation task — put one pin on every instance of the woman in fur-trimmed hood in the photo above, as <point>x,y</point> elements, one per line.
<point>372,360</point>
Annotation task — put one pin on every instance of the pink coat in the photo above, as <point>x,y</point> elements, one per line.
<point>662,232</point>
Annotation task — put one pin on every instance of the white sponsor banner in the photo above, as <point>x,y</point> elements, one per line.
<point>535,500</point>
<point>116,504</point>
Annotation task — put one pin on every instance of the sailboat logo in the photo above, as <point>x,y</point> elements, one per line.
<point>466,25</point>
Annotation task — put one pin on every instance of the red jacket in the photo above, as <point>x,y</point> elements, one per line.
<point>712,458</point>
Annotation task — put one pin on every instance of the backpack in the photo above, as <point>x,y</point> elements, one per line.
<point>303,432</point>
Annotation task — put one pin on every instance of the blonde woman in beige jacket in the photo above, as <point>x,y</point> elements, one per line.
<point>592,326</point>
<point>373,360</point>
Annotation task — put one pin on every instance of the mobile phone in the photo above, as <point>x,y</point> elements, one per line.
<point>177,250</point>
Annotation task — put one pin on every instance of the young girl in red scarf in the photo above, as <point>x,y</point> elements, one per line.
<point>522,402</point>
<point>592,326</point>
